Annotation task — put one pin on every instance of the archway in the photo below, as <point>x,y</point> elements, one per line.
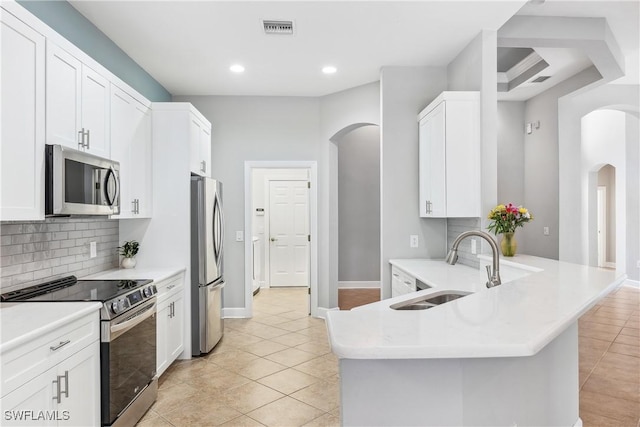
<point>357,212</point>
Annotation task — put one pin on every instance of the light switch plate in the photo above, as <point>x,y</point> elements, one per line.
<point>474,247</point>
<point>239,236</point>
<point>93,250</point>
<point>545,231</point>
<point>413,240</point>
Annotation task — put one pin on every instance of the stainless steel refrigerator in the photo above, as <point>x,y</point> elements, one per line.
<point>207,281</point>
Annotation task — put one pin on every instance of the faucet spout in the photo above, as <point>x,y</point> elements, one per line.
<point>493,274</point>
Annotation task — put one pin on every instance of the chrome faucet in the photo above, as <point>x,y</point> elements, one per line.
<point>492,276</point>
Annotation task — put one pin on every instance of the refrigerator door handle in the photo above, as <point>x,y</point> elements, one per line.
<point>220,237</point>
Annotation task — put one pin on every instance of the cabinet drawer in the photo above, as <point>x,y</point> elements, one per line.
<point>23,363</point>
<point>404,279</point>
<point>170,286</point>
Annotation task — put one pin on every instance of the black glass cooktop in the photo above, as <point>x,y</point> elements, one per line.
<point>71,289</point>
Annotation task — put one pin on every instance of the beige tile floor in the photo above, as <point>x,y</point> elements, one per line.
<point>277,369</point>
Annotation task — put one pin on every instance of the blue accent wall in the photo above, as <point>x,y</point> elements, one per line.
<point>72,25</point>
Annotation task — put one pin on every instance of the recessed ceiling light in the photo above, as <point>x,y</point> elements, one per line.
<point>329,69</point>
<point>237,68</point>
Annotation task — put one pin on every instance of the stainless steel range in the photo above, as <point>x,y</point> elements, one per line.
<point>127,339</point>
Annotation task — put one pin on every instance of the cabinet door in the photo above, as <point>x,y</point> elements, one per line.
<point>121,135</point>
<point>175,330</point>
<point>162,323</point>
<point>64,78</point>
<point>205,150</point>
<point>95,113</point>
<point>80,387</point>
<point>34,400</point>
<point>140,160</point>
<point>195,134</point>
<point>432,164</point>
<point>22,73</point>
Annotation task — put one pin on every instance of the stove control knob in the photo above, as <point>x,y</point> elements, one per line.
<point>114,306</point>
<point>147,292</point>
<point>121,305</point>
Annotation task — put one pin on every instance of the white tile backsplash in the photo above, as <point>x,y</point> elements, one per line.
<point>37,251</point>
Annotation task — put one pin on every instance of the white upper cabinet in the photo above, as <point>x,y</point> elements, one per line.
<point>131,147</point>
<point>200,146</point>
<point>22,94</point>
<point>449,159</point>
<point>77,104</point>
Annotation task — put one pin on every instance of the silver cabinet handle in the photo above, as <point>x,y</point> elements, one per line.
<point>81,138</point>
<point>88,139</point>
<point>203,166</point>
<point>60,345</point>
<point>396,275</point>
<point>66,383</point>
<point>133,206</point>
<point>407,282</point>
<point>58,383</point>
<point>170,287</point>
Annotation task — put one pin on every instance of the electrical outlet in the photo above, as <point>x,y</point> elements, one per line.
<point>413,240</point>
<point>239,236</point>
<point>93,250</point>
<point>474,247</point>
<point>545,231</point>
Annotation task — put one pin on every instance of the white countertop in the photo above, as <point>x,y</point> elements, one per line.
<point>25,321</point>
<point>517,318</point>
<point>153,273</point>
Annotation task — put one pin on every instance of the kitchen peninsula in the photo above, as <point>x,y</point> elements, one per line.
<point>501,356</point>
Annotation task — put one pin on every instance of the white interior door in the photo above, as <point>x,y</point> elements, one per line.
<point>289,233</point>
<point>602,226</point>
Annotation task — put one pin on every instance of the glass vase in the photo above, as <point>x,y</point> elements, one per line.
<point>508,244</point>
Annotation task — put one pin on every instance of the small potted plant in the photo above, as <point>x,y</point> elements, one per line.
<point>129,251</point>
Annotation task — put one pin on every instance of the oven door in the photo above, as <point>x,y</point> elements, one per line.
<point>78,183</point>
<point>127,359</point>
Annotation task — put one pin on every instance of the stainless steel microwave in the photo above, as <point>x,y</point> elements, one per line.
<point>78,183</point>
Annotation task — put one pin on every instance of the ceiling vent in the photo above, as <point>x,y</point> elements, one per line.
<point>540,79</point>
<point>278,27</point>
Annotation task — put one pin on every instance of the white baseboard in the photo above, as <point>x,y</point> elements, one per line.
<point>356,284</point>
<point>632,283</point>
<point>322,311</point>
<point>235,312</point>
<point>610,264</point>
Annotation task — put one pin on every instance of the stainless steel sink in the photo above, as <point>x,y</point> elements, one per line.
<point>427,301</point>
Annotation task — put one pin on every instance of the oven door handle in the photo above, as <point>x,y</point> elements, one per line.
<point>139,318</point>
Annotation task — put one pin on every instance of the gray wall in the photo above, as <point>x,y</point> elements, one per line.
<point>255,128</point>
<point>633,196</point>
<point>359,205</point>
<point>541,166</point>
<point>72,25</point>
<point>511,153</point>
<point>475,69</point>
<point>37,251</point>
<point>405,91</point>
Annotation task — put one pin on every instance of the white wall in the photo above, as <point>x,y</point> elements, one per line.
<point>633,196</point>
<point>574,224</point>
<point>607,179</point>
<point>359,205</point>
<point>603,143</point>
<point>405,91</point>
<point>256,128</point>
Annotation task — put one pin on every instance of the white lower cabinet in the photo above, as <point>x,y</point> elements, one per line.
<point>54,380</point>
<point>170,322</point>
<point>401,282</point>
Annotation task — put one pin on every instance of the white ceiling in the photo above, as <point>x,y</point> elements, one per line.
<point>188,46</point>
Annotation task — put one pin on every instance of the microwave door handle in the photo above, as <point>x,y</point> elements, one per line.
<point>111,200</point>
